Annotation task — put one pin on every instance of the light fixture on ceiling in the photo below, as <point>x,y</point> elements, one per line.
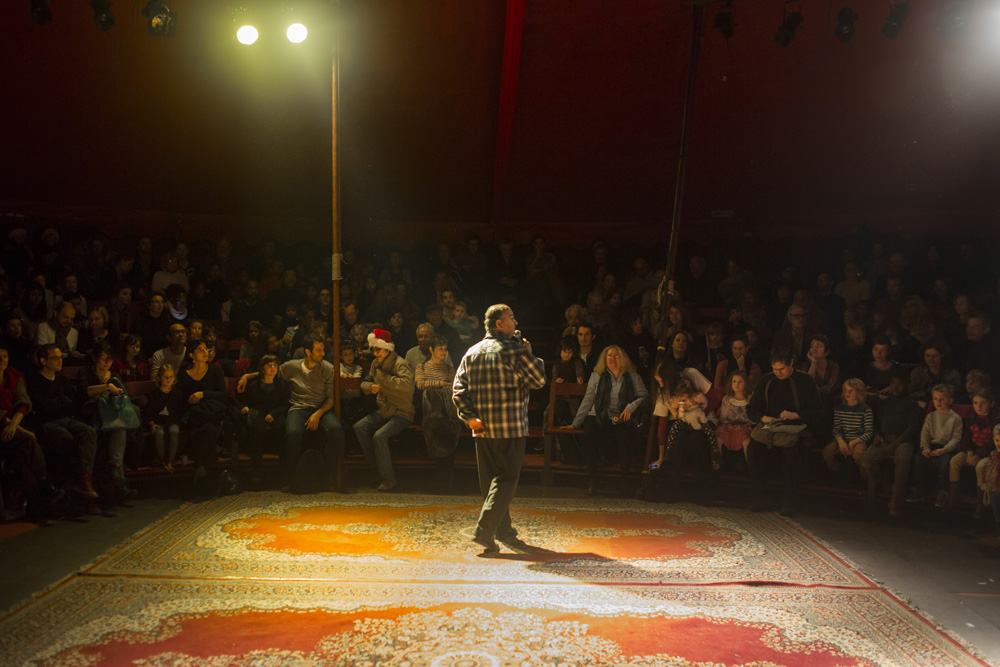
<point>844,32</point>
<point>898,12</point>
<point>103,18</point>
<point>162,21</point>
<point>40,12</point>
<point>786,31</point>
<point>725,22</point>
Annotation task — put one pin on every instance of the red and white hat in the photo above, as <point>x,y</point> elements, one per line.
<point>381,338</point>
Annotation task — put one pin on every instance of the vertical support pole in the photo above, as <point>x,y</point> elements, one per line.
<point>665,299</point>
<point>335,264</point>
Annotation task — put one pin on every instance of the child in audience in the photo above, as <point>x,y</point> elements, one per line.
<point>129,365</point>
<point>939,438</point>
<point>733,432</point>
<point>977,442</point>
<point>988,478</point>
<point>463,323</point>
<point>976,381</point>
<point>569,368</point>
<point>161,413</point>
<point>853,427</point>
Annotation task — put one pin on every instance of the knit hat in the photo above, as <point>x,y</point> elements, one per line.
<point>381,338</point>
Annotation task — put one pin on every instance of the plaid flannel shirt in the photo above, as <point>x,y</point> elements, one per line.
<point>493,382</point>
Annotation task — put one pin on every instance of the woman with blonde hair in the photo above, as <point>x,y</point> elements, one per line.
<point>607,413</point>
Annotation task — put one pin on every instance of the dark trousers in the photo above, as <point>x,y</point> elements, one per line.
<point>499,462</point>
<point>758,457</point>
<point>254,432</point>
<point>614,441</point>
<point>295,429</point>
<point>693,449</point>
<point>901,453</point>
<point>68,439</point>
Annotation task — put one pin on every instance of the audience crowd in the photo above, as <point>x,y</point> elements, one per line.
<point>884,354</point>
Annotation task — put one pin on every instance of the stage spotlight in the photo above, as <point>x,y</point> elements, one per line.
<point>897,15</point>
<point>297,33</point>
<point>725,23</point>
<point>952,22</point>
<point>845,25</point>
<point>162,21</point>
<point>786,31</point>
<point>40,12</point>
<point>103,18</point>
<point>247,34</point>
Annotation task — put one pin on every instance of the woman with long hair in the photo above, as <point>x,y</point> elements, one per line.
<point>607,413</point>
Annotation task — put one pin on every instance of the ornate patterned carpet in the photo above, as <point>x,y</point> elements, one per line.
<point>270,579</point>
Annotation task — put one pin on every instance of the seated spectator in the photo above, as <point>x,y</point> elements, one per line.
<point>853,427</point>
<point>892,303</point>
<point>69,291</point>
<point>117,275</point>
<point>129,364</point>
<point>589,354</point>
<point>638,343</point>
<point>736,281</point>
<point>939,438</point>
<point>154,324</point>
<point>463,323</point>
<point>737,359</point>
<point>174,353</point>
<point>64,438</point>
<point>796,335</point>
<point>976,381</point>
<point>977,443</point>
<point>822,369</point>
<point>733,432</point>
<point>19,450</point>
<point>120,316</point>
<point>421,352</point>
<point>349,316</point>
<point>435,317</point>
<point>933,371</point>
<point>97,329</point>
<point>310,387</point>
<point>880,371</point>
<point>59,330</point>
<point>829,302</point>
<point>896,438</point>
<point>441,425</point>
<point>253,344</point>
<point>249,308</point>
<point>615,393</point>
<point>195,328</point>
<point>162,414</point>
<point>207,418</point>
<point>979,349</point>
<point>575,315</point>
<point>390,380</point>
<point>265,406</point>
<point>17,346</point>
<point>177,301</point>
<point>93,382</point>
<point>915,320</point>
<point>677,349</point>
<point>169,274</point>
<point>790,397</point>
<point>710,351</point>
<point>351,405</point>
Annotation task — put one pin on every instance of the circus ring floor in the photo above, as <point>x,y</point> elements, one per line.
<point>266,578</point>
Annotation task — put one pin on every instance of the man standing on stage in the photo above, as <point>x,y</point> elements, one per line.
<point>491,391</point>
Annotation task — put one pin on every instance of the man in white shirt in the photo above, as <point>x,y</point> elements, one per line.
<point>59,331</point>
<point>173,353</point>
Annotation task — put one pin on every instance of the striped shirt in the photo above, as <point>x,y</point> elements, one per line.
<point>432,374</point>
<point>854,421</point>
<point>493,382</point>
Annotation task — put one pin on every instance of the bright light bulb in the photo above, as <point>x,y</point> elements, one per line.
<point>297,33</point>
<point>247,35</point>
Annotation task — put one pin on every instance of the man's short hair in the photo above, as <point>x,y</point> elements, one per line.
<point>980,315</point>
<point>42,353</point>
<point>434,308</point>
<point>782,355</point>
<point>424,325</point>
<point>882,339</point>
<point>309,342</point>
<point>494,313</point>
<point>438,340</point>
<point>586,325</point>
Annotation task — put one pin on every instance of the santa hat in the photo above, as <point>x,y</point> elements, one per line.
<point>381,338</point>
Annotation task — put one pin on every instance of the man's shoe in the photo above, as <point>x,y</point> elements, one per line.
<point>942,500</point>
<point>491,550</point>
<point>387,485</point>
<point>514,543</point>
<point>894,509</point>
<point>85,486</point>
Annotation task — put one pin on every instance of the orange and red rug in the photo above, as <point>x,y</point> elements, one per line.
<point>264,579</point>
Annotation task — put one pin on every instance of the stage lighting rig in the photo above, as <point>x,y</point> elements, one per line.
<point>103,18</point>
<point>40,12</point>
<point>162,21</point>
<point>898,11</point>
<point>844,32</point>
<point>786,31</point>
<point>725,23</point>
<point>953,23</point>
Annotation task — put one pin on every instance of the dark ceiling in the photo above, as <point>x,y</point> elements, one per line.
<point>200,124</point>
